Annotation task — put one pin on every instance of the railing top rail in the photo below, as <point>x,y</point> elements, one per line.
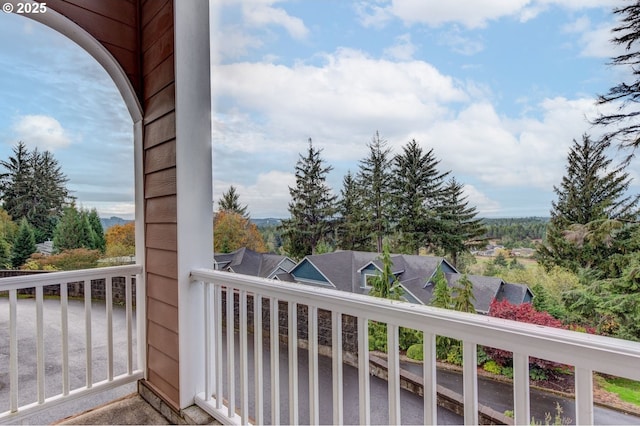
<point>599,353</point>
<point>40,280</point>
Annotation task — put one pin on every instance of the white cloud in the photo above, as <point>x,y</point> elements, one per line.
<point>268,196</point>
<point>471,14</point>
<point>460,44</point>
<point>260,14</point>
<point>350,90</point>
<point>402,50</point>
<point>485,206</point>
<point>41,131</point>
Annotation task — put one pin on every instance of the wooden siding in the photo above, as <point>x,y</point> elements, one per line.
<point>158,100</point>
<point>139,34</point>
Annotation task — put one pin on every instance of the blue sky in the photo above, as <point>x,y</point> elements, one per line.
<point>498,88</point>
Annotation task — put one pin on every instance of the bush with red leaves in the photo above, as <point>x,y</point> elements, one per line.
<point>524,312</point>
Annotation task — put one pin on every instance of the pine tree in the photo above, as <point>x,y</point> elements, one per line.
<point>462,231</point>
<point>624,121</point>
<point>312,206</point>
<point>417,192</point>
<point>386,285</point>
<point>72,231</point>
<point>374,177</point>
<point>33,186</point>
<point>230,202</point>
<point>353,230</point>
<point>441,291</point>
<point>464,299</point>
<point>590,191</point>
<point>24,245</point>
<point>97,232</point>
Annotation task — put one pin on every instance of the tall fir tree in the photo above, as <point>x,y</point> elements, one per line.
<point>623,124</point>
<point>97,232</point>
<point>312,207</point>
<point>24,245</point>
<point>441,291</point>
<point>230,202</point>
<point>33,186</point>
<point>374,177</point>
<point>353,230</point>
<point>417,192</point>
<point>591,191</point>
<point>462,230</point>
<point>72,231</point>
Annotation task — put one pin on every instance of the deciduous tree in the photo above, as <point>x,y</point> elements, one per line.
<point>232,231</point>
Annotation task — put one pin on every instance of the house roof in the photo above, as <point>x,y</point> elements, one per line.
<point>514,293</point>
<point>249,262</point>
<point>485,289</point>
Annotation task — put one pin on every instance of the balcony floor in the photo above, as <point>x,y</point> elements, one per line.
<point>130,410</point>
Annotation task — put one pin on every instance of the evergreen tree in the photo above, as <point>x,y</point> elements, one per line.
<point>386,285</point>
<point>230,202</point>
<point>464,299</point>
<point>590,191</point>
<point>312,206</point>
<point>97,233</point>
<point>417,191</point>
<point>72,231</point>
<point>462,231</point>
<point>24,244</point>
<point>374,177</point>
<point>441,291</point>
<point>624,121</point>
<point>353,231</point>
<point>33,186</point>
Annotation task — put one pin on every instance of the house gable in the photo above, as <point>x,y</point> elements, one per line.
<point>307,272</point>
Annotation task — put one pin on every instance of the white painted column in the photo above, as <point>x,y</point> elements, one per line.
<point>194,184</point>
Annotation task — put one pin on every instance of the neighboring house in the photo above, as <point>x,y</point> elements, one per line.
<point>45,248</point>
<point>352,271</point>
<point>248,262</point>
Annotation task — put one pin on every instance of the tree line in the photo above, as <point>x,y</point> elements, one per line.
<point>37,207</point>
<point>404,198</point>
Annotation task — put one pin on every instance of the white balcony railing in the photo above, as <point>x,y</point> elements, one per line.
<point>81,367</point>
<point>228,368</point>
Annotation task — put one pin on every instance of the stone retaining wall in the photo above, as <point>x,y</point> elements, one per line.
<point>76,289</point>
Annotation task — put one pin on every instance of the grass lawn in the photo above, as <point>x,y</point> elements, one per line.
<point>627,390</point>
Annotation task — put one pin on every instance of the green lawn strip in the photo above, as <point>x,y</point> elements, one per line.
<point>627,390</point>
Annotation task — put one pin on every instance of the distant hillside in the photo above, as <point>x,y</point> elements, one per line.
<point>270,221</point>
<point>113,220</point>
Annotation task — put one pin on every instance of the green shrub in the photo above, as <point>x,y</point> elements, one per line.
<point>507,372</point>
<point>416,352</point>
<point>409,337</point>
<point>492,367</point>
<point>455,355</point>
<point>536,373</point>
<point>482,356</point>
<point>377,336</point>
